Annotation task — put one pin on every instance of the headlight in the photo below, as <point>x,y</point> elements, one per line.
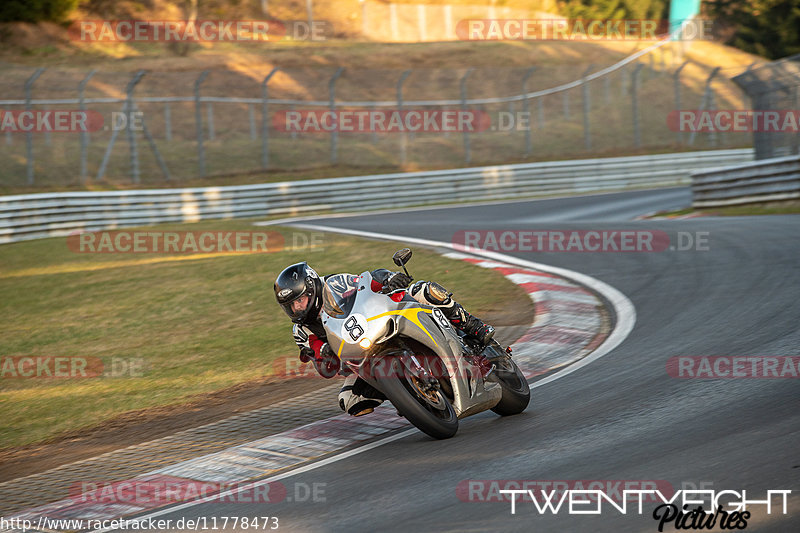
<point>365,343</point>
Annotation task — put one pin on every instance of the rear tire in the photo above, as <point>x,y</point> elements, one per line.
<point>441,423</point>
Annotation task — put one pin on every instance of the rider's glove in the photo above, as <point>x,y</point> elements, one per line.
<point>307,354</point>
<point>398,280</point>
<point>327,363</point>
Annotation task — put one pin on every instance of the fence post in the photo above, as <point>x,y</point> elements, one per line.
<point>167,121</point>
<point>540,110</point>
<point>565,103</point>
<point>637,133</point>
<point>265,118</point>
<point>332,98</point>
<point>607,88</point>
<point>28,134</point>
<point>84,133</point>
<point>677,83</point>
<point>706,100</point>
<point>527,106</point>
<point>587,134</point>
<point>198,121</point>
<point>251,119</point>
<point>463,87</point>
<point>404,138</point>
<point>154,148</point>
<point>134,149</point>
<point>210,113</point>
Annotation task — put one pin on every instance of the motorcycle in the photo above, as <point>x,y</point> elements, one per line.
<point>431,373</point>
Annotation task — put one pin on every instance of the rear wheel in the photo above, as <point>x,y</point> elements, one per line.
<point>425,407</point>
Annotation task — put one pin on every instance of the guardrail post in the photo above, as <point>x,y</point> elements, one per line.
<point>198,121</point>
<point>463,88</point>
<point>565,103</point>
<point>265,118</point>
<point>676,79</point>
<point>84,133</point>
<point>28,134</point>
<point>404,138</point>
<point>607,88</point>
<point>637,133</point>
<point>587,134</point>
<point>706,100</point>
<point>167,122</point>
<point>332,99</point>
<point>129,125</point>
<point>526,103</point>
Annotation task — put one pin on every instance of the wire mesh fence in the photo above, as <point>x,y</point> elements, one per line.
<point>168,127</point>
<point>775,87</point>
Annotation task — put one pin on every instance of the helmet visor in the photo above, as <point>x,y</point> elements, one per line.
<point>298,307</point>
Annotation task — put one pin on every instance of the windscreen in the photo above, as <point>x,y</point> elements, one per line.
<point>339,294</point>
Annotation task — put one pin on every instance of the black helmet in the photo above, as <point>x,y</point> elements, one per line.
<point>295,281</point>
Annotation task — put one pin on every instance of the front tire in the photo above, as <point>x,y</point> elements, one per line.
<point>516,391</point>
<point>438,421</point>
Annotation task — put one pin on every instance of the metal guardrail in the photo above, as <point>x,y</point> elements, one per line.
<point>768,180</point>
<point>34,216</point>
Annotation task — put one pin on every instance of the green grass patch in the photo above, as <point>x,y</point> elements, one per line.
<point>196,324</point>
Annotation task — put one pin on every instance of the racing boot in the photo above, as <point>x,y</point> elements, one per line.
<point>469,324</point>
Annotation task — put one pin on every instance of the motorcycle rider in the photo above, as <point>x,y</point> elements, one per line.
<point>298,290</point>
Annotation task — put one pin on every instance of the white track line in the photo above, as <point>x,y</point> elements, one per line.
<point>623,309</point>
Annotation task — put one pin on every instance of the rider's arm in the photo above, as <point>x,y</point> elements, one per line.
<point>307,341</point>
<point>396,280</point>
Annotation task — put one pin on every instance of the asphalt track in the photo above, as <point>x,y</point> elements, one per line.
<point>621,417</point>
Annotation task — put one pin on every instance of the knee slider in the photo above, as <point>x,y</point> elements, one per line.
<point>436,294</point>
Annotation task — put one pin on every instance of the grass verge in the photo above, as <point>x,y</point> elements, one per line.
<point>196,324</point>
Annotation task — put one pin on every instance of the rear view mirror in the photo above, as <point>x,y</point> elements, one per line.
<point>401,257</point>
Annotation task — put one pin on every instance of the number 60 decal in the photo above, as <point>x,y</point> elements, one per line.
<point>353,328</point>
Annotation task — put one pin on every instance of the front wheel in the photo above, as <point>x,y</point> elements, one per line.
<point>429,411</point>
<point>516,391</point>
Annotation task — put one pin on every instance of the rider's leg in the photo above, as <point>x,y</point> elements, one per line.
<point>431,293</point>
<point>358,397</point>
